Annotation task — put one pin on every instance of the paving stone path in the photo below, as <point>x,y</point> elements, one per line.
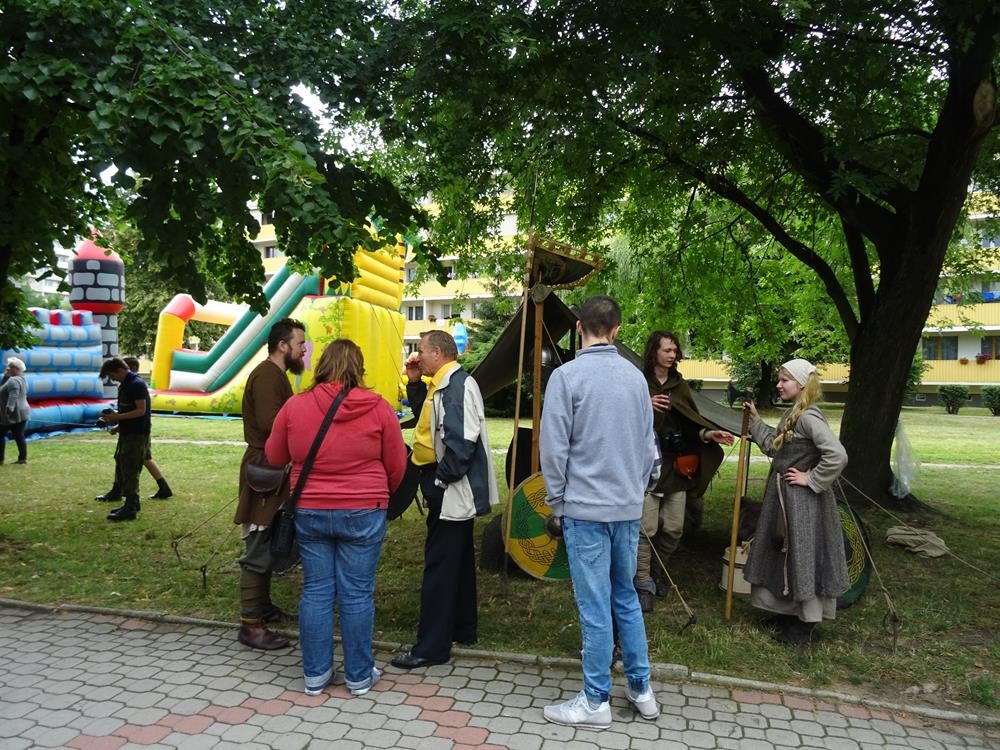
<point>83,680</point>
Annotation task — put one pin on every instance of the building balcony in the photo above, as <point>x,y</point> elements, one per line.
<point>956,318</point>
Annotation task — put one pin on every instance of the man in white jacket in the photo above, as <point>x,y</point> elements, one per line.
<point>452,453</point>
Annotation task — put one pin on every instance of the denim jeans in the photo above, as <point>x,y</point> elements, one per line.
<point>602,559</point>
<point>340,551</point>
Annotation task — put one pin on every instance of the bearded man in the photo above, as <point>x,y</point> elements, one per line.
<point>267,389</point>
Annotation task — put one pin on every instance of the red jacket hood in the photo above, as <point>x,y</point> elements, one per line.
<point>359,401</point>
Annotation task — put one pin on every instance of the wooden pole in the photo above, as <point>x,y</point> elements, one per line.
<point>529,268</point>
<point>742,471</point>
<point>536,388</point>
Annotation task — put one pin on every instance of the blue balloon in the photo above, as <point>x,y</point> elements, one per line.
<point>461,337</point>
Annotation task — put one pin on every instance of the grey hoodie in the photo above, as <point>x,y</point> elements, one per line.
<point>598,450</point>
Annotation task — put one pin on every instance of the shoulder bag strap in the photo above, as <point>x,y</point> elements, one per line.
<point>317,442</point>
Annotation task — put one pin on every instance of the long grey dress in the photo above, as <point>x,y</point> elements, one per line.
<point>809,579</point>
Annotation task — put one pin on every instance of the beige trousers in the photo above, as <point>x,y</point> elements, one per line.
<point>663,522</point>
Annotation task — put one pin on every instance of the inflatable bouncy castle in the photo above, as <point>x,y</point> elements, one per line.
<point>64,389</point>
<point>212,382</point>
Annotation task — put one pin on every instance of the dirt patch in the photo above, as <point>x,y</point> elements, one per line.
<point>9,545</point>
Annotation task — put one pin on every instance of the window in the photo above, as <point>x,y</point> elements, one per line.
<point>445,312</point>
<point>409,274</point>
<point>414,312</point>
<point>940,347</point>
<point>271,251</point>
<point>991,345</point>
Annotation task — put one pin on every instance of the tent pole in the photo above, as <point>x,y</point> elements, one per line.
<point>742,470</point>
<point>529,270</point>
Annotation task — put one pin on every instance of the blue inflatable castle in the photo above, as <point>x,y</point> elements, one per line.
<point>62,370</point>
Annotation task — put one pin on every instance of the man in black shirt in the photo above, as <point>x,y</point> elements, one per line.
<point>133,427</point>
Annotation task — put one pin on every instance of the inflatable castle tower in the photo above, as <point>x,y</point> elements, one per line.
<point>97,277</point>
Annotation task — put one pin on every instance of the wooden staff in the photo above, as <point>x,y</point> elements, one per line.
<point>529,272</point>
<point>742,472</point>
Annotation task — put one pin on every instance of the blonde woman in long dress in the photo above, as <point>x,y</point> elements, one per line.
<point>797,576</point>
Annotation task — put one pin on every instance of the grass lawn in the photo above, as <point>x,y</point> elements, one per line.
<point>56,547</point>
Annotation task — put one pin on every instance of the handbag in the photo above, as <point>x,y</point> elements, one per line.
<point>282,541</point>
<point>265,479</point>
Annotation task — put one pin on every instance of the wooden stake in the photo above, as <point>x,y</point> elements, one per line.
<point>742,471</point>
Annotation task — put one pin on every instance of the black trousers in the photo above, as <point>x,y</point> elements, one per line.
<point>16,431</point>
<point>448,606</point>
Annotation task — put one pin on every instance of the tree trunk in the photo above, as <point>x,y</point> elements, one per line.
<point>881,356</point>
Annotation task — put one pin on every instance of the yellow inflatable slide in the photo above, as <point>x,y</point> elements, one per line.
<point>212,381</point>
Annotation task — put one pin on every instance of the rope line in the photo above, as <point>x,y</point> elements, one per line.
<point>891,622</point>
<point>692,618</point>
<point>905,525</point>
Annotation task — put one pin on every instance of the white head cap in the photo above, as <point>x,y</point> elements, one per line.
<point>800,369</point>
<point>17,364</point>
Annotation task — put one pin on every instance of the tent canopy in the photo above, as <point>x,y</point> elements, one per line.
<point>499,368</point>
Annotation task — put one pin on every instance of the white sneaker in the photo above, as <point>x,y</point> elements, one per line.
<point>320,685</point>
<point>645,703</point>
<point>376,674</point>
<point>577,712</point>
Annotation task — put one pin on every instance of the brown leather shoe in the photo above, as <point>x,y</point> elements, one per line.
<point>259,637</point>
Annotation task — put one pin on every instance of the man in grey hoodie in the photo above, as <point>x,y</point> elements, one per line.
<point>598,455</point>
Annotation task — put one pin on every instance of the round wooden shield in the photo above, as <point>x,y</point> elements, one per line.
<point>859,566</point>
<point>534,551</point>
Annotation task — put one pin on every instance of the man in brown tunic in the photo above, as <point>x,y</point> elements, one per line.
<point>266,391</point>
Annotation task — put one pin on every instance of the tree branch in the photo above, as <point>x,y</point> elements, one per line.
<point>860,268</point>
<point>725,188</point>
<point>808,150</point>
<point>833,33</point>
<point>968,114</point>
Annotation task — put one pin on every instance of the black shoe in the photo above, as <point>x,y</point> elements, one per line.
<point>798,634</point>
<point>21,461</point>
<point>662,586</point>
<point>776,623</point>
<point>109,497</point>
<point>646,601</point>
<point>162,491</point>
<point>128,512</point>
<point>410,661</point>
<point>124,513</point>
<point>467,644</point>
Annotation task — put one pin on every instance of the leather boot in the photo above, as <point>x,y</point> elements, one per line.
<point>128,512</point>
<point>111,496</point>
<point>798,633</point>
<point>256,635</point>
<point>163,490</point>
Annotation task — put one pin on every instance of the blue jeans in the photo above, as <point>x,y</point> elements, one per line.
<point>339,551</point>
<point>602,560</point>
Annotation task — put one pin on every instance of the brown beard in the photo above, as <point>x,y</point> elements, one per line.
<point>295,366</point>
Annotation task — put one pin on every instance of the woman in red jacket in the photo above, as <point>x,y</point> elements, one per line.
<point>341,516</point>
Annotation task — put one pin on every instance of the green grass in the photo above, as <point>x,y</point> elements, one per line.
<point>56,547</point>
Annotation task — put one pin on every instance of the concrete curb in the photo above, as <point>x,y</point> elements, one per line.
<point>660,671</point>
